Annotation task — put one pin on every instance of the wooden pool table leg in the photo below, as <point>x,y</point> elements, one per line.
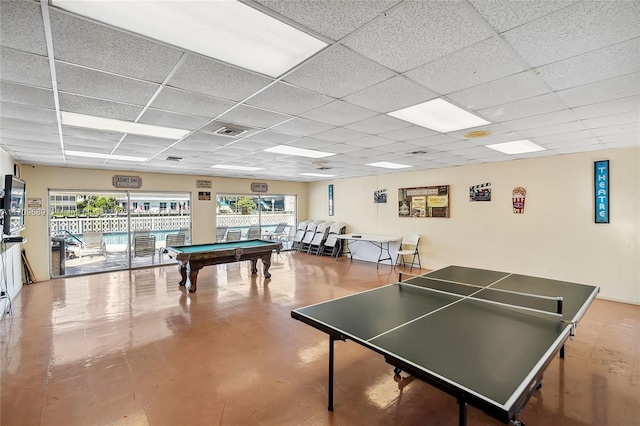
<point>254,266</point>
<point>266,262</point>
<point>192,281</point>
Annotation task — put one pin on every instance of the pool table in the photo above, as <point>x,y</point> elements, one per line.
<point>193,258</point>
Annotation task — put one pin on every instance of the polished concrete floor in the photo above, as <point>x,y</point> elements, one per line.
<point>131,348</point>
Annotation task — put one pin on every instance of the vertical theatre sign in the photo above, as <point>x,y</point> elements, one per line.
<point>601,183</point>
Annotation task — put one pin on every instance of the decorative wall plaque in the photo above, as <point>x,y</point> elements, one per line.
<point>121,181</point>
<point>259,187</point>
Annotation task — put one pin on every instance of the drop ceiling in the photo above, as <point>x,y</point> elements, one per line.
<point>562,74</point>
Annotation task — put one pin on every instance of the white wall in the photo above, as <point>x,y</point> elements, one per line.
<point>41,178</point>
<point>10,259</point>
<point>556,237</point>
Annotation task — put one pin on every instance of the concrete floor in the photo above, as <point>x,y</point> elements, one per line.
<point>132,348</point>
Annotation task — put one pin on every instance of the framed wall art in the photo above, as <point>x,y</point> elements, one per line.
<point>424,201</point>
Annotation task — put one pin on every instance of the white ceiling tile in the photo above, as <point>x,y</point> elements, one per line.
<point>602,91</point>
<point>145,141</point>
<point>408,133</point>
<point>312,143</point>
<point>24,68</point>
<point>206,76</point>
<point>392,94</point>
<point>333,19</point>
<point>480,63</point>
<point>119,73</point>
<point>371,142</point>
<point>493,129</point>
<point>602,64</point>
<point>100,135</point>
<point>402,148</point>
<point>339,113</point>
<point>612,120</point>
<point>109,49</point>
<point>379,124</point>
<point>401,41</point>
<point>43,115</point>
<point>508,89</point>
<point>546,130</point>
<point>563,137</point>
<point>272,137</point>
<point>548,119</point>
<point>593,24</point>
<point>338,71</point>
<point>95,84</point>
<point>506,14</point>
<point>253,117</point>
<point>28,126</point>
<point>170,119</point>
<point>29,136</point>
<point>182,101</point>
<point>341,148</point>
<point>98,108</point>
<point>17,23</point>
<point>340,134</point>
<point>617,129</point>
<point>289,99</point>
<point>523,108</point>
<point>26,95</point>
<point>628,104</point>
<point>302,127</point>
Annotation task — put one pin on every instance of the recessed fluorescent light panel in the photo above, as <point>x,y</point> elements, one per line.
<point>100,123</point>
<point>103,156</point>
<point>237,168</point>
<point>387,165</point>
<point>316,175</point>
<point>439,115</point>
<point>226,30</point>
<point>300,152</point>
<point>516,147</point>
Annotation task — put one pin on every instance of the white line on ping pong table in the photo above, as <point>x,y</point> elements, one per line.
<point>469,296</point>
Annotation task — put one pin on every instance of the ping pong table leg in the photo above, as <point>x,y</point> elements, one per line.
<point>562,352</point>
<point>462,412</point>
<point>331,340</point>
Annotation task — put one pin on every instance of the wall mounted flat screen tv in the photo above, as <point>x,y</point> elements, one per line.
<point>13,205</point>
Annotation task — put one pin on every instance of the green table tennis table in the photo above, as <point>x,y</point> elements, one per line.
<point>484,337</point>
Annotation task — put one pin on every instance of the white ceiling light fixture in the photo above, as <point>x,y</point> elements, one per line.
<point>439,115</point>
<point>300,152</point>
<point>523,146</point>
<point>103,156</point>
<point>316,175</point>
<point>387,165</point>
<point>100,123</point>
<point>226,30</point>
<point>237,168</point>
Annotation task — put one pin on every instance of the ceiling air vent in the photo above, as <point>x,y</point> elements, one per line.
<point>229,132</point>
<point>324,168</point>
<point>170,158</point>
<point>417,152</point>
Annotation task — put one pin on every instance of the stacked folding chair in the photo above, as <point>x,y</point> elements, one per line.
<point>332,245</point>
<point>300,232</point>
<point>308,236</point>
<point>319,238</point>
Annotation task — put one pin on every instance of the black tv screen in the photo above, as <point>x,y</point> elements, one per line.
<point>13,205</point>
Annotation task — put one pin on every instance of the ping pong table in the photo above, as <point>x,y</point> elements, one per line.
<point>484,337</point>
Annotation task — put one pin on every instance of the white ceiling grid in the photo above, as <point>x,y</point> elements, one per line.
<point>563,74</point>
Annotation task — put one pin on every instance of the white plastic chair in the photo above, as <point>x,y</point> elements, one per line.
<point>308,235</point>
<point>319,237</point>
<point>409,247</point>
<point>300,231</point>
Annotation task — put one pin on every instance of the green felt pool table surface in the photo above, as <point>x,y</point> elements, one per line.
<point>199,248</point>
<point>194,257</point>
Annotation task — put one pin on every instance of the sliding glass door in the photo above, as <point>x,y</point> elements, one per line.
<point>96,231</point>
<point>269,216</point>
